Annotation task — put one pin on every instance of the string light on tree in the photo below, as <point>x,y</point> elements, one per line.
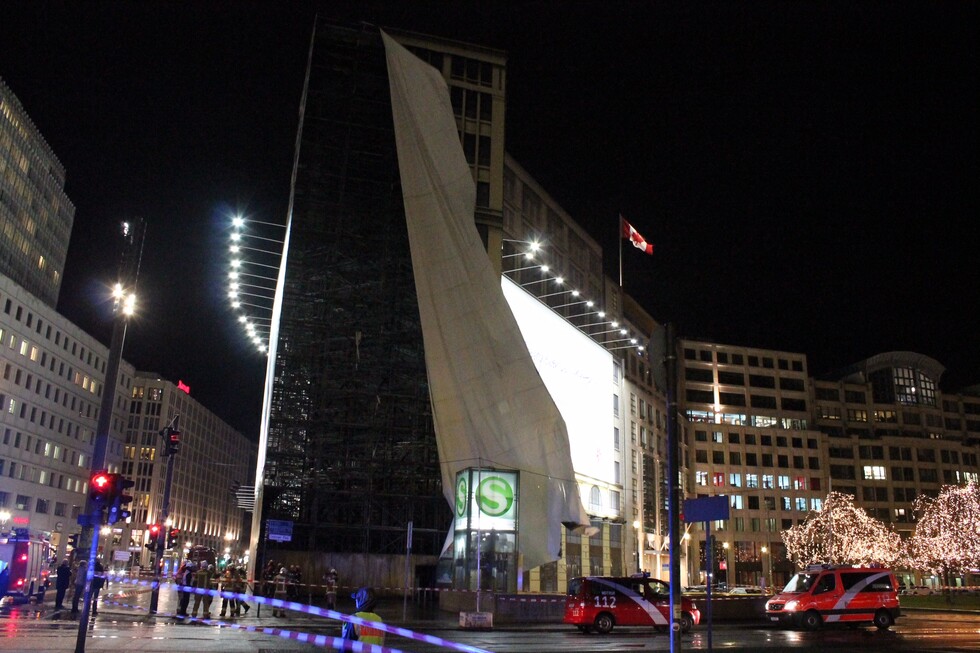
<point>842,533</point>
<point>947,535</point>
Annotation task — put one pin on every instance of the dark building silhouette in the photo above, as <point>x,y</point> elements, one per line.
<point>351,455</point>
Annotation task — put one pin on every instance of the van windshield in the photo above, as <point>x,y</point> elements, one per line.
<point>800,583</point>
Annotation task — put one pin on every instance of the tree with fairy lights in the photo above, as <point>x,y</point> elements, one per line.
<point>947,535</point>
<point>842,533</point>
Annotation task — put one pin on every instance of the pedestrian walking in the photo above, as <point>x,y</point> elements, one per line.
<point>330,582</point>
<point>98,582</point>
<point>364,602</point>
<point>280,584</point>
<point>61,584</point>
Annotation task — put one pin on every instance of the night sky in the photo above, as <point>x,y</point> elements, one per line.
<point>808,172</point>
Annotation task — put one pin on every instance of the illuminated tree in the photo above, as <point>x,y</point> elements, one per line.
<point>842,533</point>
<point>947,536</point>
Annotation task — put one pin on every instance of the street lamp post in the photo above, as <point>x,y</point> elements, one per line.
<point>766,568</point>
<point>639,545</point>
<point>728,566</point>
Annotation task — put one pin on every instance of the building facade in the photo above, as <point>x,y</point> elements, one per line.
<point>52,377</point>
<point>775,442</point>
<point>50,392</point>
<point>35,214</point>
<point>213,460</point>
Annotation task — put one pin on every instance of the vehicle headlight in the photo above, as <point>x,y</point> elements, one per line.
<point>791,605</point>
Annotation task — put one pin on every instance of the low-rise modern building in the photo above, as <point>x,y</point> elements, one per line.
<point>213,461</point>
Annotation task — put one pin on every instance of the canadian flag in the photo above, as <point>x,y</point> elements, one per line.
<point>634,237</point>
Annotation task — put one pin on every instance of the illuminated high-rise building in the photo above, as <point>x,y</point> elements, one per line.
<point>35,214</point>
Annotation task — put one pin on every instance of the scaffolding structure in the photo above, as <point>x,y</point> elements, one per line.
<point>352,455</point>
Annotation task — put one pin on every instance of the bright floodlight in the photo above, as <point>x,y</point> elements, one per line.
<point>129,306</point>
<point>236,262</point>
<point>238,221</point>
<point>234,249</point>
<point>544,268</point>
<point>235,236</point>
<point>117,291</point>
<point>559,280</point>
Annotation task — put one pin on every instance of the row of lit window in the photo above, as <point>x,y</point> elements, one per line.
<point>757,481</point>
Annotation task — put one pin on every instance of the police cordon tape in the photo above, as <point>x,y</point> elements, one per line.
<point>318,640</point>
<point>341,589</point>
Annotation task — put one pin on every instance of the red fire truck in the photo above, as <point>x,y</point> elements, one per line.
<point>24,562</point>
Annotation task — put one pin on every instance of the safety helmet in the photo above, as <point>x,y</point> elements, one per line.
<point>364,599</point>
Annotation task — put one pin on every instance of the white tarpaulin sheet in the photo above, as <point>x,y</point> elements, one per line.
<point>490,406</point>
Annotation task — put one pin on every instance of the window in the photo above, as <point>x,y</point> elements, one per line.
<point>735,479</point>
<point>700,478</point>
<point>595,499</point>
<point>701,456</point>
<point>784,482</point>
<point>874,472</point>
<point>718,479</point>
<point>752,480</point>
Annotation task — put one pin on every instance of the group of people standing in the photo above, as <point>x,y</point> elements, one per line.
<point>201,574</point>
<point>69,576</point>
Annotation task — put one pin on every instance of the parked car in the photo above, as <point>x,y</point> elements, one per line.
<point>602,602</point>
<point>919,590</point>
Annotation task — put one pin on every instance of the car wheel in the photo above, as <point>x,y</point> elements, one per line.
<point>687,622</point>
<point>811,620</point>
<point>604,623</point>
<point>883,619</point>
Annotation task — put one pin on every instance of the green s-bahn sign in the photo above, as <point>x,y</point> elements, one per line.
<point>486,499</point>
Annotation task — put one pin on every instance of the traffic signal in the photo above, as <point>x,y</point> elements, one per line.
<point>73,540</point>
<point>100,487</point>
<point>171,437</point>
<point>120,500</point>
<point>172,538</point>
<point>155,531</point>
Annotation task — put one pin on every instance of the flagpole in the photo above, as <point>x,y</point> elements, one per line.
<point>619,237</point>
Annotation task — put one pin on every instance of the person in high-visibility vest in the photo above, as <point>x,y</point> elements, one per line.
<point>364,602</point>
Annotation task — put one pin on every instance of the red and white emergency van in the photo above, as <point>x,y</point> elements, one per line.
<point>837,594</point>
<point>601,602</point>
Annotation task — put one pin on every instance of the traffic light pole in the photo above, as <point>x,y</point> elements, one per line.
<point>89,577</point>
<point>164,511</point>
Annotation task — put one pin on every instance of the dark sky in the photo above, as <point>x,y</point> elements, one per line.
<point>807,171</point>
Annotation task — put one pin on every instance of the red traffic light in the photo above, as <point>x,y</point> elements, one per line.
<point>155,529</point>
<point>101,485</point>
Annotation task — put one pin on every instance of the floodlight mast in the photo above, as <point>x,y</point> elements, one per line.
<point>90,520</point>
